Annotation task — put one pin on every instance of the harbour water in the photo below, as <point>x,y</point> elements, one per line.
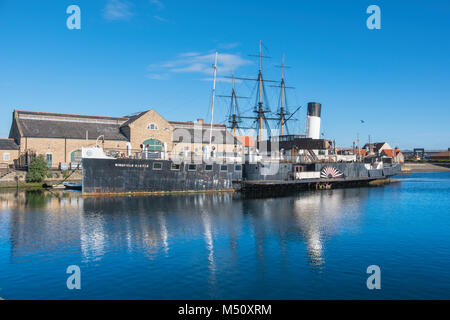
<point>313,245</point>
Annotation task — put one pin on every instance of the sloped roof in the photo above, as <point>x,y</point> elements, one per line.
<point>376,145</point>
<point>362,152</point>
<point>68,115</point>
<point>133,118</point>
<point>75,130</point>
<point>59,125</point>
<point>8,144</point>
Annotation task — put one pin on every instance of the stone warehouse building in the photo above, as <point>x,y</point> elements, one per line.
<point>9,151</point>
<point>60,137</point>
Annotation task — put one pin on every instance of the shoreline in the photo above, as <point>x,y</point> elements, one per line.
<point>411,167</point>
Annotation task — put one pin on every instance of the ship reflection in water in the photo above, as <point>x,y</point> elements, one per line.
<point>218,230</point>
<point>149,223</point>
<point>311,245</point>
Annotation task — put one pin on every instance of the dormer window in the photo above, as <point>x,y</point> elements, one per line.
<point>152,126</point>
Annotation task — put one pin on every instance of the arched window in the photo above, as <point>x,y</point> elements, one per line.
<point>152,126</point>
<point>75,156</point>
<point>153,145</point>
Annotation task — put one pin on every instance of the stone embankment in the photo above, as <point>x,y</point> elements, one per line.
<point>14,178</point>
<point>424,167</point>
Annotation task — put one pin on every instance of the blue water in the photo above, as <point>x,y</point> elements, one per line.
<point>308,246</point>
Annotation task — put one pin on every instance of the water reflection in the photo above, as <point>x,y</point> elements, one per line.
<point>320,215</point>
<point>42,221</point>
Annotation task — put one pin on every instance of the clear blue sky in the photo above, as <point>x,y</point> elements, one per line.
<point>134,55</point>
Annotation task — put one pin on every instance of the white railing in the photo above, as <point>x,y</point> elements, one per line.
<point>307,175</point>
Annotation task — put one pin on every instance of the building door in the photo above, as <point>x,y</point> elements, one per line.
<point>153,145</point>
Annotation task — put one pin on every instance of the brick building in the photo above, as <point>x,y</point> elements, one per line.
<point>444,155</point>
<point>60,137</point>
<point>9,151</point>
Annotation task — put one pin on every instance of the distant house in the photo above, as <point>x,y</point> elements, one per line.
<point>9,151</point>
<point>388,153</point>
<point>445,155</point>
<point>377,147</point>
<point>362,152</point>
<point>395,154</point>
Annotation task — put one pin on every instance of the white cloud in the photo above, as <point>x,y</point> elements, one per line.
<point>158,4</point>
<point>193,62</point>
<point>118,10</point>
<point>158,76</point>
<point>189,54</point>
<point>160,19</point>
<point>229,46</point>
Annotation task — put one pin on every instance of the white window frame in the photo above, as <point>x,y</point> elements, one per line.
<point>155,126</point>
<point>6,156</point>
<point>158,164</point>
<point>46,159</point>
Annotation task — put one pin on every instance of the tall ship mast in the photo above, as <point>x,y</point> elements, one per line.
<point>213,96</point>
<point>283,112</point>
<point>261,113</point>
<point>261,106</point>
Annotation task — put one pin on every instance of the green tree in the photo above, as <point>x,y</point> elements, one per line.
<point>37,170</point>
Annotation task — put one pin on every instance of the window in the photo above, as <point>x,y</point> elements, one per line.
<point>238,167</point>
<point>192,167</point>
<point>223,168</point>
<point>6,156</point>
<point>152,126</point>
<point>157,165</point>
<point>175,167</point>
<point>75,156</point>
<point>49,159</point>
<point>208,167</point>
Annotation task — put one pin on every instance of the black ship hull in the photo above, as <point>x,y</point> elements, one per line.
<point>118,176</point>
<point>136,176</point>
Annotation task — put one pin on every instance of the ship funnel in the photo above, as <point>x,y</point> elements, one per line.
<point>313,120</point>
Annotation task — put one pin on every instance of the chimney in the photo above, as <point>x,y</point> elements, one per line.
<point>200,121</point>
<point>313,120</point>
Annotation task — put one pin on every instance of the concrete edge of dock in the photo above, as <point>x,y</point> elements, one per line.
<point>154,193</point>
<point>410,167</point>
